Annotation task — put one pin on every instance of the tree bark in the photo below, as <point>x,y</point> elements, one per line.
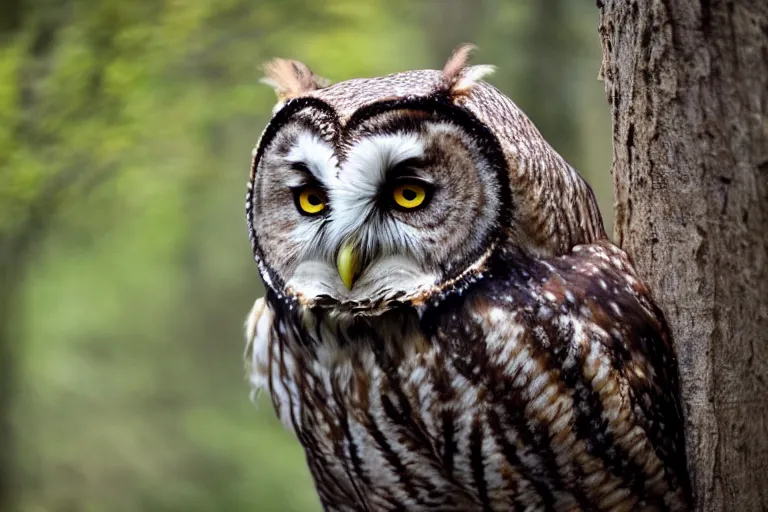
<point>688,86</point>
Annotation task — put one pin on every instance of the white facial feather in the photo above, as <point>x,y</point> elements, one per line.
<point>320,160</point>
<point>359,182</point>
<point>317,155</point>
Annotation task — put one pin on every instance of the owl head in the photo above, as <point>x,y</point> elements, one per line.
<point>377,192</point>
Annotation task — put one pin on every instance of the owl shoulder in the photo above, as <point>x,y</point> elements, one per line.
<point>594,286</point>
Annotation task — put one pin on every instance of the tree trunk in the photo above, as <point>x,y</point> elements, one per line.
<point>688,86</point>
<point>14,255</point>
<point>7,389</point>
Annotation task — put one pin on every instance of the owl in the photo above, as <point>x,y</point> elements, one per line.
<point>446,326</point>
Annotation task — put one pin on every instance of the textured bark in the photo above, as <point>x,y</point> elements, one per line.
<point>688,86</point>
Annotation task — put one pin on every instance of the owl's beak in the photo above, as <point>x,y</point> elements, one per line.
<point>348,264</point>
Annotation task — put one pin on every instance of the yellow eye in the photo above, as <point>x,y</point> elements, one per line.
<point>409,195</point>
<point>310,200</point>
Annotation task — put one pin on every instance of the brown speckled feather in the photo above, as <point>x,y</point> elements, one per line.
<point>549,385</point>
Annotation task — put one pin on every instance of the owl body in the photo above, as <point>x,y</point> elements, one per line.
<point>445,326</point>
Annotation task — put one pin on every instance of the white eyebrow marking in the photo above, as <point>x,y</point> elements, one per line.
<point>353,196</point>
<point>317,155</point>
<point>368,161</point>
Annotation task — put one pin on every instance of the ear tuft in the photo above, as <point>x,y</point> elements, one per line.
<point>458,61</point>
<point>291,78</point>
<point>458,76</point>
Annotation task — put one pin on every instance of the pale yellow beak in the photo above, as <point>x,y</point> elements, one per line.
<point>348,264</point>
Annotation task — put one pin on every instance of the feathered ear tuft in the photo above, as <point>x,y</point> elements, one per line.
<point>458,61</point>
<point>291,78</point>
<point>458,76</point>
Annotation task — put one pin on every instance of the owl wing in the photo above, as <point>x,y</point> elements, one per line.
<point>630,367</point>
<point>582,382</point>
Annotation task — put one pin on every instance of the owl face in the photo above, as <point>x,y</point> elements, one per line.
<point>401,200</point>
<point>374,192</point>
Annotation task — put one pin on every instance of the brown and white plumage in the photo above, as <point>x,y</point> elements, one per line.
<point>494,351</point>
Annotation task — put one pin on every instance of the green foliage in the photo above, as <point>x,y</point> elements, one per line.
<point>125,136</point>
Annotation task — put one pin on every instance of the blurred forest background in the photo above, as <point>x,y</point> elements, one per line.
<point>125,272</point>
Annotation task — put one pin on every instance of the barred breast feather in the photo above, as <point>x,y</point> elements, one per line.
<point>543,385</point>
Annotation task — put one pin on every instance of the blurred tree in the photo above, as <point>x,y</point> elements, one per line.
<point>31,200</point>
<point>450,23</point>
<point>688,86</point>
<point>548,46</point>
